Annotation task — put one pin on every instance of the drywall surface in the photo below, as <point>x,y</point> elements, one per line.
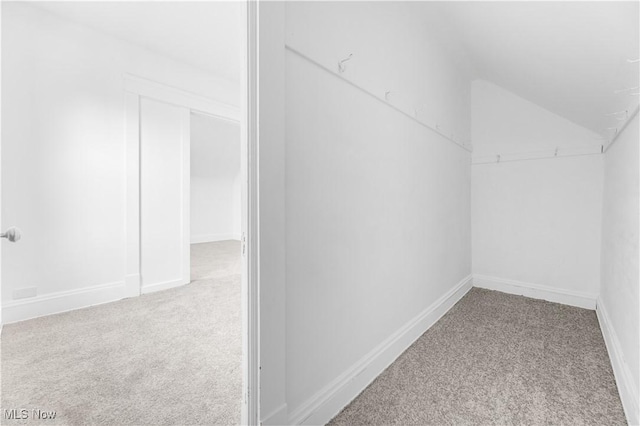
<point>400,52</point>
<point>215,179</point>
<point>63,140</point>
<point>534,221</point>
<point>377,205</point>
<point>504,123</point>
<point>538,222</point>
<point>271,157</point>
<point>620,215</point>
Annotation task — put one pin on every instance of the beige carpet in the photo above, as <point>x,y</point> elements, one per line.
<point>500,359</point>
<point>172,357</point>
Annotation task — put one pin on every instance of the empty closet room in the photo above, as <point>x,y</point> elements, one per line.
<point>460,201</point>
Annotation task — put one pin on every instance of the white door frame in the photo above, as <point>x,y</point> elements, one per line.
<point>137,88</point>
<point>250,216</point>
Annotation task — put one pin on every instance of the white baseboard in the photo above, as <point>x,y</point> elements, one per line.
<point>210,238</point>
<point>277,417</point>
<point>536,291</point>
<point>328,402</point>
<point>132,285</point>
<point>626,388</point>
<point>152,288</point>
<point>63,301</point>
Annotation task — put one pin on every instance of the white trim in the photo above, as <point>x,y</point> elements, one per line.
<point>152,288</point>
<point>185,235</point>
<point>538,155</point>
<point>536,291</point>
<point>380,97</point>
<point>172,95</point>
<point>211,238</point>
<point>624,379</point>
<point>132,194</point>
<point>250,412</point>
<point>132,285</point>
<point>63,301</point>
<point>276,417</point>
<point>135,89</point>
<point>326,403</point>
<point>622,128</point>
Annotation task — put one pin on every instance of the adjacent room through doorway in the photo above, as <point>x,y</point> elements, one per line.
<point>128,117</point>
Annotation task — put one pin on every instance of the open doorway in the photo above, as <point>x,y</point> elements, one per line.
<point>101,102</point>
<point>215,225</point>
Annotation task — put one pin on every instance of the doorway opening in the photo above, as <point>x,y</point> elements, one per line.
<point>133,254</point>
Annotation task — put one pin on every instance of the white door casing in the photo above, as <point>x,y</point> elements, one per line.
<point>171,107</point>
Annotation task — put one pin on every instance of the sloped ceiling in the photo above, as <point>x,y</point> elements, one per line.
<point>206,35</point>
<point>568,57</point>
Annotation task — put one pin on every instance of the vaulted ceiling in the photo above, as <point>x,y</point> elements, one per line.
<point>568,57</point>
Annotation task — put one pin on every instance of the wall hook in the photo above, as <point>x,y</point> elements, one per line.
<point>341,66</point>
<point>386,95</point>
<point>498,158</point>
<point>626,89</point>
<point>613,114</point>
<point>556,153</point>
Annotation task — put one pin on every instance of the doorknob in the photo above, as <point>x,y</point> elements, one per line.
<point>12,234</point>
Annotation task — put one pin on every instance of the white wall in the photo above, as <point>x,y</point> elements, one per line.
<point>215,179</point>
<point>538,222</point>
<point>504,123</point>
<point>534,222</point>
<point>619,289</point>
<point>377,206</point>
<point>63,140</point>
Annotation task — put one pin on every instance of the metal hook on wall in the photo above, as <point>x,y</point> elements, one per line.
<point>556,153</point>
<point>341,66</point>
<point>626,89</point>
<point>497,158</point>
<point>386,95</point>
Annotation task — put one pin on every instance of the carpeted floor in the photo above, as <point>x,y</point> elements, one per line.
<point>171,357</point>
<point>501,359</point>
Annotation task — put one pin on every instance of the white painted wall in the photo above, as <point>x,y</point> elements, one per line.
<point>504,123</point>
<point>215,179</point>
<point>619,289</point>
<point>63,116</point>
<point>377,206</point>
<point>533,221</point>
<point>164,195</point>
<point>397,48</point>
<point>538,222</point>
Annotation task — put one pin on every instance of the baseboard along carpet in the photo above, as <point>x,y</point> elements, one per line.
<point>497,358</point>
<point>167,358</point>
